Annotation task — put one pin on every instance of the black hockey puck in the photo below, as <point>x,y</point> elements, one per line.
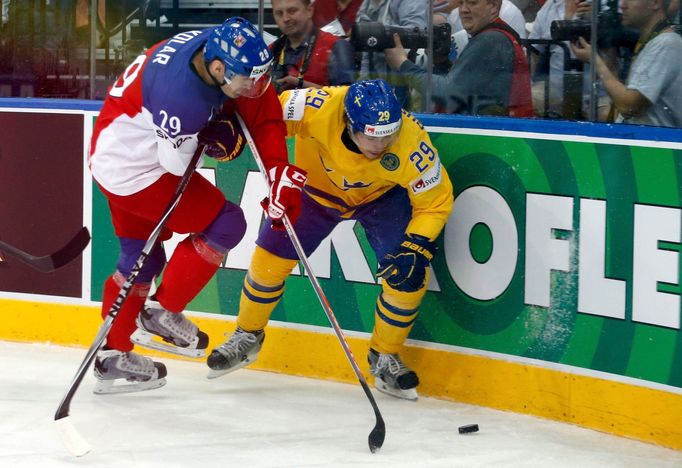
<point>468,429</point>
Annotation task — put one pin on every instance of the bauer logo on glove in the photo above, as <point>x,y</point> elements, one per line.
<point>405,269</point>
<point>223,138</point>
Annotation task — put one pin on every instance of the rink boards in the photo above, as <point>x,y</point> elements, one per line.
<point>555,291</point>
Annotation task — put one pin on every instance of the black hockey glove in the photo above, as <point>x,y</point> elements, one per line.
<point>405,269</point>
<point>223,137</point>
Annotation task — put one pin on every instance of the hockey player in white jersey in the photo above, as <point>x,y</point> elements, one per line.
<point>181,93</point>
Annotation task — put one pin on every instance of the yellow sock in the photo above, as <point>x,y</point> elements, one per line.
<point>263,288</point>
<point>394,316</point>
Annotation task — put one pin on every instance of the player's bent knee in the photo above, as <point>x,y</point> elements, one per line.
<point>269,269</point>
<point>227,228</point>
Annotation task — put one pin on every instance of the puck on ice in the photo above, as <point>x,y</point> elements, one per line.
<point>468,429</point>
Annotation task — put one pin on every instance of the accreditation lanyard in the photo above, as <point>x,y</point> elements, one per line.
<point>657,30</point>
<point>305,60</point>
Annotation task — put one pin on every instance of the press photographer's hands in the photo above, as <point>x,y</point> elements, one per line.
<point>582,50</point>
<point>397,55</point>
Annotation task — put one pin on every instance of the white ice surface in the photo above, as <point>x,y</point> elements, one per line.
<point>260,419</point>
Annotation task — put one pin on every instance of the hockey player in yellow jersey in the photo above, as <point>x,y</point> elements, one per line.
<point>368,160</point>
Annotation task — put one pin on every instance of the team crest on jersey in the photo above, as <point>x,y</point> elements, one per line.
<point>390,162</point>
<point>239,40</point>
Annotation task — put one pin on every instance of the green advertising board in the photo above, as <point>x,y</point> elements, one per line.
<point>555,289</point>
<point>559,249</point>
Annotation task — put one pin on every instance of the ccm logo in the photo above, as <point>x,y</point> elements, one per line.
<point>299,177</point>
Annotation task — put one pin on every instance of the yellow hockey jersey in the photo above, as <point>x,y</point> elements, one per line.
<point>345,180</point>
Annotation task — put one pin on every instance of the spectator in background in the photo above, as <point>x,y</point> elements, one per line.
<point>305,56</point>
<point>442,9</point>
<point>551,11</point>
<point>82,20</point>
<point>509,13</point>
<point>490,76</point>
<point>652,94</point>
<point>343,11</point>
<point>447,11</point>
<point>405,13</point>
<point>529,8</point>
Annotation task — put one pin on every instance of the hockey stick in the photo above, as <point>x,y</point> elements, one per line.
<point>376,437</point>
<point>73,441</point>
<point>50,263</point>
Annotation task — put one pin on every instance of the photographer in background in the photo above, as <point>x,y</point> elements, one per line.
<point>652,94</point>
<point>306,57</point>
<point>567,100</point>
<point>489,77</point>
<point>405,13</point>
<point>509,13</point>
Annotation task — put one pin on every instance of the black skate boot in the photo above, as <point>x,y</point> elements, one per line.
<point>177,334</point>
<point>240,350</point>
<point>391,376</point>
<point>134,372</point>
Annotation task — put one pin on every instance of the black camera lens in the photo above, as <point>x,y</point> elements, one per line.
<point>370,36</point>
<point>570,30</point>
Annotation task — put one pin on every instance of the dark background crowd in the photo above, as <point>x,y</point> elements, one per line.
<point>518,58</point>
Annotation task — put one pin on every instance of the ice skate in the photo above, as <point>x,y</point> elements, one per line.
<point>240,350</point>
<point>119,372</point>
<point>166,331</point>
<point>391,376</point>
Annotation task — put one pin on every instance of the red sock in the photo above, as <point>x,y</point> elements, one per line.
<point>187,273</point>
<point>124,324</point>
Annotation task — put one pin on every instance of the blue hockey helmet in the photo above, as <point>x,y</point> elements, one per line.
<point>372,108</point>
<point>242,49</point>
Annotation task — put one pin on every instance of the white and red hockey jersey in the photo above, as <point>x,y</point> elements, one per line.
<point>149,122</point>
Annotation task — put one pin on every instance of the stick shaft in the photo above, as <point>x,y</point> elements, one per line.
<point>103,332</point>
<point>376,437</point>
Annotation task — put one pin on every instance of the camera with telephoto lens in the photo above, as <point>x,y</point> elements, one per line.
<point>376,37</point>
<point>611,32</point>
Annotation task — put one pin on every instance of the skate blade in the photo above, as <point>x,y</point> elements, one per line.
<point>149,341</point>
<point>215,373</point>
<point>109,387</point>
<point>408,394</point>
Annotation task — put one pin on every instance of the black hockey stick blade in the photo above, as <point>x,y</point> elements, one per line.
<point>378,434</point>
<point>49,263</point>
